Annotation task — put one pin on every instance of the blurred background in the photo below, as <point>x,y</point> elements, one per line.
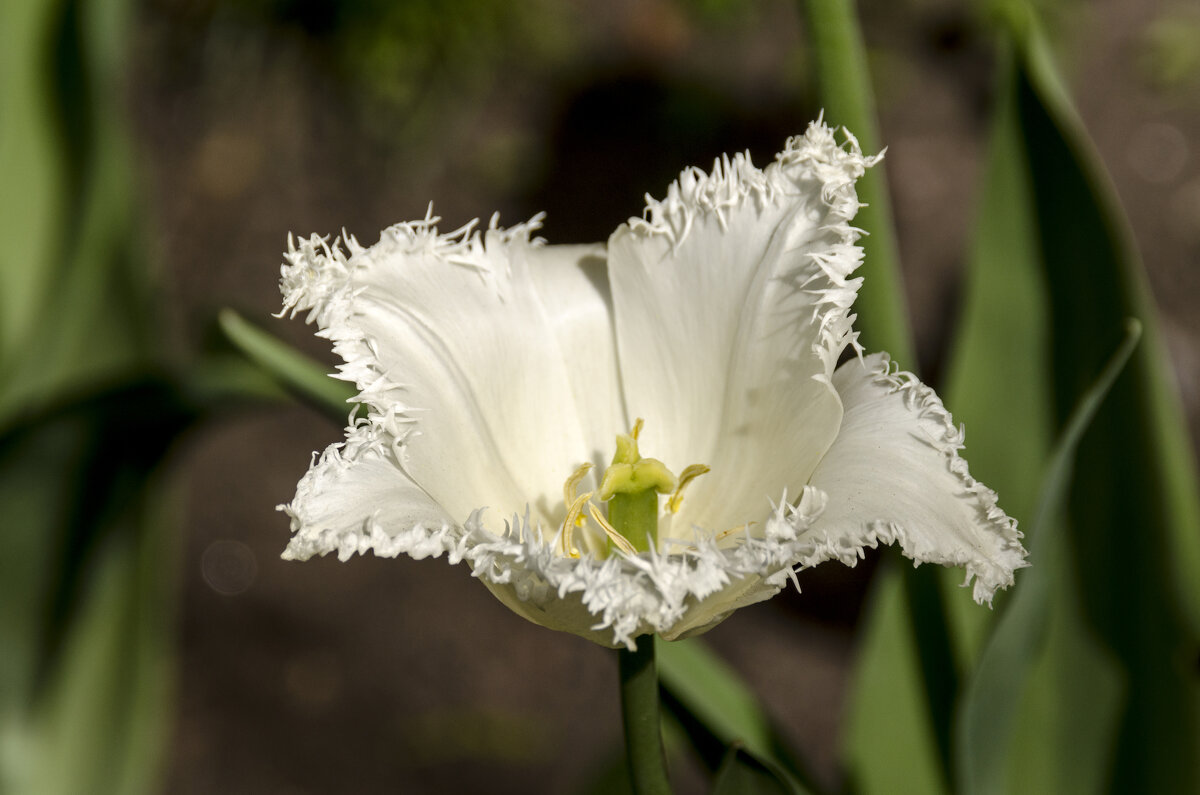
<point>229,123</point>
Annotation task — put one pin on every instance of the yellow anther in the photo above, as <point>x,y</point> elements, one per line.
<point>569,489</point>
<point>573,520</point>
<point>636,430</point>
<point>689,474</point>
<point>619,540</point>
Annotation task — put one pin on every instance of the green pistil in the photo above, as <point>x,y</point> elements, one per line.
<point>635,516</point>
<point>631,486</point>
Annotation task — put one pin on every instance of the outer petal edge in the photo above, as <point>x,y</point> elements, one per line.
<point>988,570</point>
<point>611,601</point>
<point>813,155</point>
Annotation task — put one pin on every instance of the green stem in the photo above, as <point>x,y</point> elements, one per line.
<point>641,716</point>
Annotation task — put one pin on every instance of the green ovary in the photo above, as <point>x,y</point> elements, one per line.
<point>631,486</point>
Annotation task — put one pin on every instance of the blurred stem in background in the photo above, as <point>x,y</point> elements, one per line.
<point>839,66</point>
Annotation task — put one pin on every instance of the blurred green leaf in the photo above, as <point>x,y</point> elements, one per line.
<point>998,382</point>
<point>298,373</point>
<point>890,742</point>
<point>998,387</point>
<point>33,173</point>
<point>86,577</point>
<point>743,773</point>
<point>714,693</point>
<point>76,306</point>
<point>1117,671</point>
<point>717,709</point>
<point>1134,514</point>
<point>988,711</point>
<point>86,589</point>
<point>103,721</point>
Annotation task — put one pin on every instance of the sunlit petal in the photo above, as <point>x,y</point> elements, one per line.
<point>732,300</point>
<point>894,475</point>
<point>457,358</point>
<point>495,370</point>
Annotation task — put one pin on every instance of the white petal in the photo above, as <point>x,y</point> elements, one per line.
<point>732,303</point>
<point>355,499</point>
<point>615,600</point>
<point>894,475</point>
<point>456,357</point>
<point>572,282</point>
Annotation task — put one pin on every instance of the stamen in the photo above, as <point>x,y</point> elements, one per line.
<point>619,540</point>
<point>689,474</point>
<point>570,485</point>
<point>726,533</point>
<point>636,430</point>
<point>573,520</point>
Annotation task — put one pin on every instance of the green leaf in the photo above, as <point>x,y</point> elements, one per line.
<point>743,773</point>
<point>103,719</point>
<point>85,589</point>
<point>998,382</point>
<point>713,692</point>
<point>1054,278</point>
<point>1134,513</point>
<point>989,708</point>
<point>717,709</point>
<point>890,742</point>
<point>85,578</point>
<point>74,303</point>
<point>301,375</point>
<point>28,159</point>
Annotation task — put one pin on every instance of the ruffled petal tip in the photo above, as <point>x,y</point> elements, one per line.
<point>894,475</point>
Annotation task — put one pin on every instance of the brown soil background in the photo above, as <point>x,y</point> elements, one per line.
<point>252,121</point>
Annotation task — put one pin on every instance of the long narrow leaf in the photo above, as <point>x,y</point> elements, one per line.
<point>295,371</point>
<point>714,698</point>
<point>714,694</point>
<point>1134,514</point>
<point>998,379</point>
<point>988,712</point>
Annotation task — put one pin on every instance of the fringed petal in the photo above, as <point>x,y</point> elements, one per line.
<point>354,498</point>
<point>732,300</point>
<point>491,367</point>
<point>894,475</point>
<point>683,592</point>
<point>457,358</point>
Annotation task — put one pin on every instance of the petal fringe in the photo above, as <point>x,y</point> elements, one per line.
<point>894,475</point>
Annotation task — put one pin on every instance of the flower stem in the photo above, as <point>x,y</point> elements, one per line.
<point>641,716</point>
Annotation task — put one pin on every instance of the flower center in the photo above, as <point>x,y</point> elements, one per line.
<point>630,485</point>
